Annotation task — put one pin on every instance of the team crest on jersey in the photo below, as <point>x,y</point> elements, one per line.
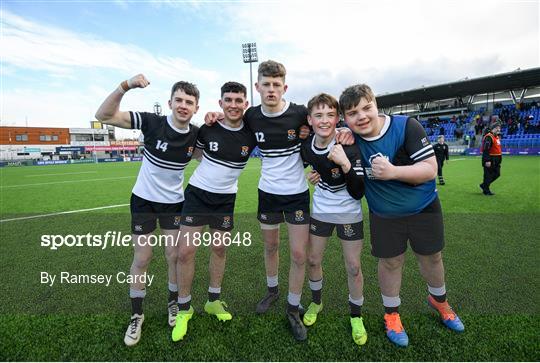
<point>177,220</point>
<point>369,170</point>
<point>226,222</point>
<point>299,216</point>
<point>372,157</point>
<point>335,173</point>
<point>245,151</point>
<point>189,151</point>
<point>291,134</point>
<point>348,230</point>
<point>424,141</point>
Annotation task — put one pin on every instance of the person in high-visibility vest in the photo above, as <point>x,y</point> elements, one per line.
<point>491,157</point>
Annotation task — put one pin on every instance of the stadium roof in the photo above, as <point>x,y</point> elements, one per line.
<point>516,80</point>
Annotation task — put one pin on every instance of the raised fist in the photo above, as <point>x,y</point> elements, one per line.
<point>138,81</point>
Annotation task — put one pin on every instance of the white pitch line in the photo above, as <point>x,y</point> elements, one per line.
<point>65,212</point>
<point>64,182</point>
<point>458,159</point>
<point>81,172</point>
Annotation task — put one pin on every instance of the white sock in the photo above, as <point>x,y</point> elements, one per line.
<point>184,300</point>
<point>437,291</point>
<point>134,293</point>
<point>315,285</point>
<point>272,281</point>
<point>173,287</point>
<point>358,302</point>
<point>391,301</point>
<point>294,299</point>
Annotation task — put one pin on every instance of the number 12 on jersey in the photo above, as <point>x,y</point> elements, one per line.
<point>260,136</point>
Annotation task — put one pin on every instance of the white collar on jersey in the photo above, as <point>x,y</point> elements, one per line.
<point>322,151</point>
<point>180,131</point>
<point>232,128</point>
<point>383,130</point>
<point>276,114</point>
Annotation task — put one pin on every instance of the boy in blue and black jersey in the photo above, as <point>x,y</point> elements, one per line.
<point>399,169</point>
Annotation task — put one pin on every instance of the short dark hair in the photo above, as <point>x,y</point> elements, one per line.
<point>271,68</point>
<point>233,87</point>
<point>188,88</point>
<point>353,94</point>
<point>322,99</point>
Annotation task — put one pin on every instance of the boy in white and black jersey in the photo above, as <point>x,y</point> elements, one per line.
<point>158,194</point>
<point>336,204</point>
<point>210,197</point>
<point>283,191</point>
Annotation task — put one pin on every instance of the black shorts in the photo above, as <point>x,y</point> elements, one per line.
<point>145,213</point>
<point>203,208</point>
<point>345,232</point>
<point>424,230</point>
<point>276,208</point>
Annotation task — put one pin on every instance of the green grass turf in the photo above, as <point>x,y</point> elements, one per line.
<point>491,259</point>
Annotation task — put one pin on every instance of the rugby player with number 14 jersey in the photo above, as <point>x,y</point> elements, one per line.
<point>158,193</point>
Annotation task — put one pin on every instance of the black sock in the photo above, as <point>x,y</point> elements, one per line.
<point>136,305</point>
<point>184,306</point>
<point>356,310</point>
<point>173,296</point>
<point>292,308</point>
<point>390,310</point>
<point>273,289</point>
<point>316,296</point>
<point>213,296</point>
<point>439,298</point>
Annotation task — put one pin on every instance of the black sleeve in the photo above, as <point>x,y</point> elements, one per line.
<point>201,143</point>
<point>142,120</point>
<point>487,143</point>
<point>417,144</point>
<point>355,177</point>
<point>303,152</point>
<point>446,155</point>
<point>304,114</point>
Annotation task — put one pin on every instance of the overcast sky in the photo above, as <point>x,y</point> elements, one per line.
<point>60,59</point>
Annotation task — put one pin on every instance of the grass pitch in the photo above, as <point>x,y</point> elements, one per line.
<point>491,259</point>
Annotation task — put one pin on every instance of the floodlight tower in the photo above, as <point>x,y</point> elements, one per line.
<point>157,108</point>
<point>249,53</point>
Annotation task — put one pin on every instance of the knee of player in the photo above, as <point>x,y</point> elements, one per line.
<point>314,260</point>
<point>298,256</point>
<point>392,263</point>
<point>185,255</point>
<point>434,259</point>
<point>219,250</point>
<point>353,267</point>
<point>271,247</point>
<point>142,260</point>
<point>171,254</point>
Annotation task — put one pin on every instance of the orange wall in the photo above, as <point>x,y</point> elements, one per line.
<point>7,132</point>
